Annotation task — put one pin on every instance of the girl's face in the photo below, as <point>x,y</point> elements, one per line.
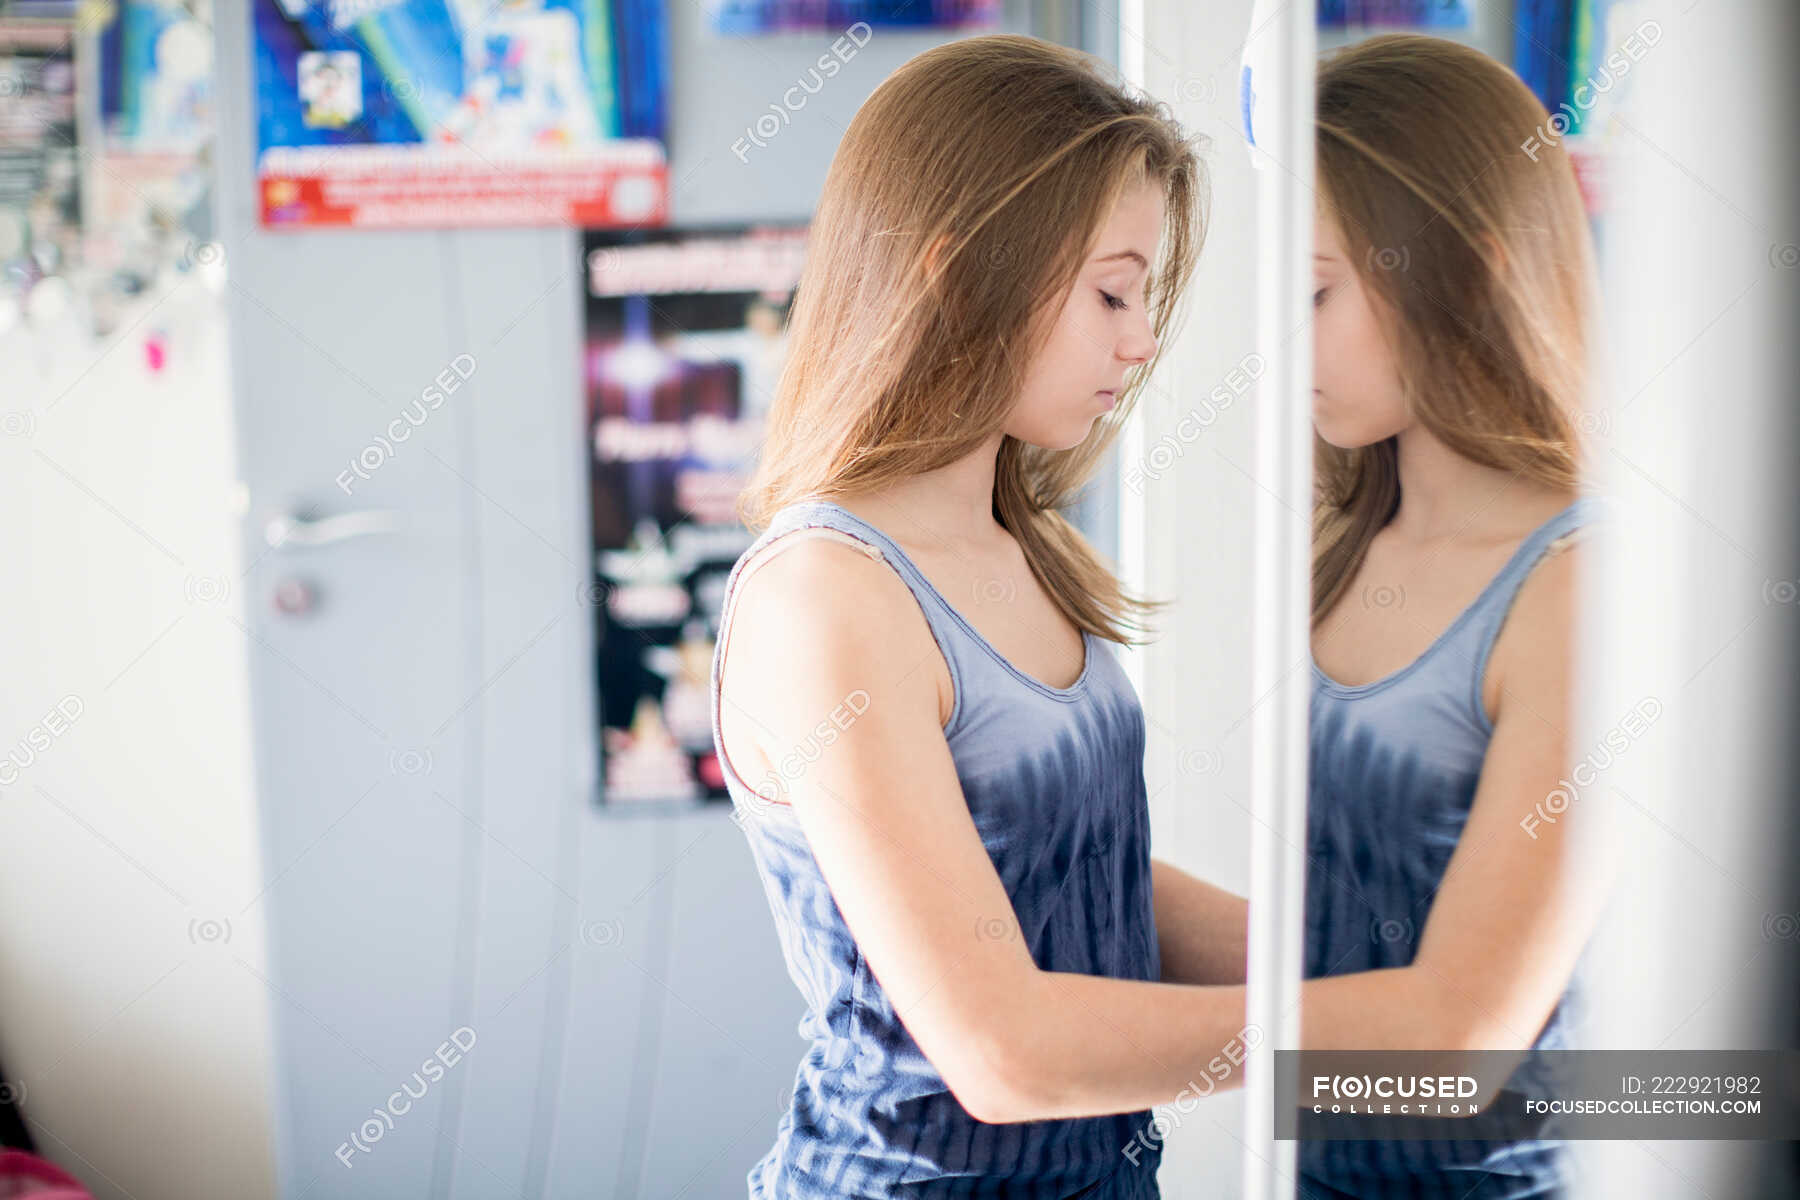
<point>1101,331</point>
<point>1357,400</point>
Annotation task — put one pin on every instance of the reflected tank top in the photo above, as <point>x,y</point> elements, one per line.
<point>1394,765</point>
<point>1054,780</point>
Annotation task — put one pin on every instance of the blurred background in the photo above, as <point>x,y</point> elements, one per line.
<point>376,377</point>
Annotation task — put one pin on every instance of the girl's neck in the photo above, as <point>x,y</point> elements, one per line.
<point>948,506</point>
<point>1444,496</point>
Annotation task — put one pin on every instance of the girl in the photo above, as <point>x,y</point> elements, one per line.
<point>1454,276</point>
<point>936,761</point>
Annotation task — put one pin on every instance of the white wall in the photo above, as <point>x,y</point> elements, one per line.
<point>130,941</point>
<point>1696,441</point>
<point>1188,506</point>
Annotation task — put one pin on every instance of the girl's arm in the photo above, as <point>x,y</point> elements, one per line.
<point>884,815</point>
<point>1521,894</point>
<point>1518,900</point>
<point>1202,931</point>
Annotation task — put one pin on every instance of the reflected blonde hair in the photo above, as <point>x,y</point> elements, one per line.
<point>960,206</point>
<point>1480,259</point>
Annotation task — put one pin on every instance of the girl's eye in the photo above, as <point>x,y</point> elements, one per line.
<point>1113,302</point>
<point>1319,297</point>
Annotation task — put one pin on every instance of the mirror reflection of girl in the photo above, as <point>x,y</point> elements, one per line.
<point>1453,275</point>
<point>934,756</point>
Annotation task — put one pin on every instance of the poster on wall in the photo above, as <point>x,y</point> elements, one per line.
<point>1403,14</point>
<point>41,193</point>
<point>105,158</point>
<point>446,113</point>
<point>152,194</point>
<point>156,75</point>
<point>683,349</point>
<point>815,16</point>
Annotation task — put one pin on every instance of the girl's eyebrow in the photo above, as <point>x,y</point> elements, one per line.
<point>1141,260</point>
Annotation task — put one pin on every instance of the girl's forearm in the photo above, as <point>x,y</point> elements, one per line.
<point>1368,1010</point>
<point>1202,931</point>
<point>1088,1045</point>
<point>1411,1008</point>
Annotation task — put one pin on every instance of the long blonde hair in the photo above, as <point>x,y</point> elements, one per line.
<point>961,204</point>
<point>1480,256</point>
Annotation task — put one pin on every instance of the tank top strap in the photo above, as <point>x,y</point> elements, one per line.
<point>825,514</point>
<point>1490,610</point>
<point>811,513</point>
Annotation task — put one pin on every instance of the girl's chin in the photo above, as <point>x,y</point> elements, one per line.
<point>1077,435</point>
<point>1064,438</point>
<point>1339,437</point>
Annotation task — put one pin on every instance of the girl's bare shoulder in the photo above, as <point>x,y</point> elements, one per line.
<point>820,572</point>
<point>1537,637</point>
<point>830,599</point>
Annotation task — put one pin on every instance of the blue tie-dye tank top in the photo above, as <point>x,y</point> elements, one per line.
<point>1054,780</point>
<point>1394,766</point>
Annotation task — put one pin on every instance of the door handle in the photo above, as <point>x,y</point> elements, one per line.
<point>299,529</point>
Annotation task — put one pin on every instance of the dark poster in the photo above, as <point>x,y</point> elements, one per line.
<point>683,350</point>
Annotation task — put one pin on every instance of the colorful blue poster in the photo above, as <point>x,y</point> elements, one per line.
<point>434,113</point>
<point>816,16</point>
<point>1404,14</point>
